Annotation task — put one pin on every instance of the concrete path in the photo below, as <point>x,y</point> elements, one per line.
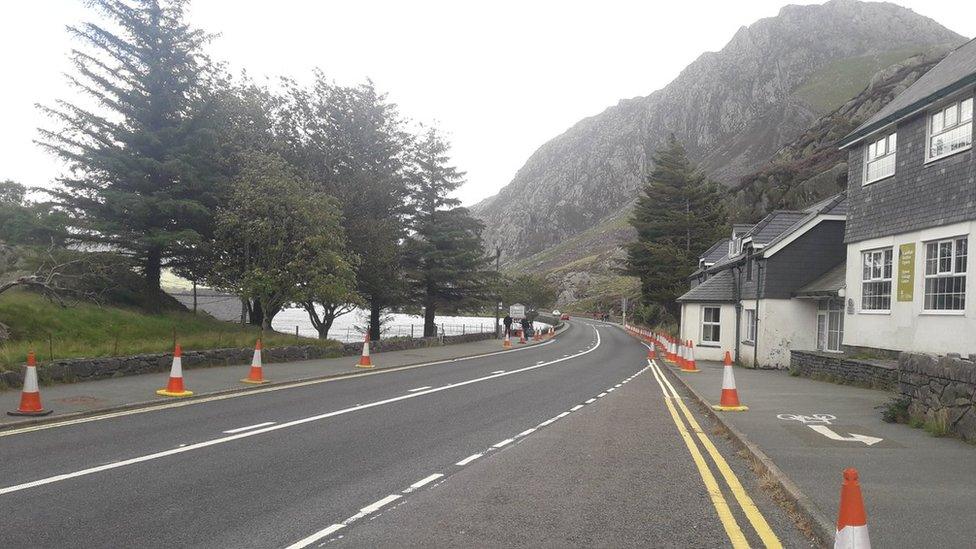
<point>107,394</point>
<point>919,490</point>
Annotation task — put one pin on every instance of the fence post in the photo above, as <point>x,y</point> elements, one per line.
<point>296,332</point>
<point>462,328</point>
<point>411,331</point>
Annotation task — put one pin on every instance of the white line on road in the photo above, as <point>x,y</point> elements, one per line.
<point>526,432</point>
<point>601,395</point>
<point>547,422</point>
<point>591,401</point>
<point>289,385</point>
<point>577,407</point>
<point>562,415</point>
<point>316,536</point>
<point>427,480</point>
<point>503,443</point>
<point>248,428</point>
<point>469,459</point>
<point>270,428</point>
<point>499,372</point>
<point>418,389</point>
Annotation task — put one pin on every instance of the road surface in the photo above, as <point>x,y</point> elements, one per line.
<point>578,442</point>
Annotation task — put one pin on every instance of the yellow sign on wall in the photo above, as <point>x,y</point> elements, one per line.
<point>906,272</point>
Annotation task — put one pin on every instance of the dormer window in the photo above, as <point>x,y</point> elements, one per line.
<point>880,162</point>
<point>951,129</point>
<point>735,246</point>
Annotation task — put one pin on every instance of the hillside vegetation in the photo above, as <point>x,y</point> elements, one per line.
<point>89,330</point>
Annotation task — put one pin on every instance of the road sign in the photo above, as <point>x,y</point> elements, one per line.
<point>516,311</point>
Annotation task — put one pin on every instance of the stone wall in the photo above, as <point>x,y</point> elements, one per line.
<point>87,369</point>
<point>839,368</point>
<point>941,391</point>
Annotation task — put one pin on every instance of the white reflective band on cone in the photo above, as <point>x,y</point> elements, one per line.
<point>30,380</point>
<point>177,369</point>
<point>728,380</point>
<point>852,537</point>
<point>256,361</point>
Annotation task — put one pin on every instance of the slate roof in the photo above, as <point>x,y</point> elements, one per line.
<point>716,252</point>
<point>827,285</point>
<point>835,205</point>
<point>773,225</point>
<point>717,289</point>
<point>953,73</point>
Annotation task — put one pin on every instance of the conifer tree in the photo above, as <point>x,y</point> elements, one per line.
<point>678,216</point>
<point>135,181</point>
<point>443,256</point>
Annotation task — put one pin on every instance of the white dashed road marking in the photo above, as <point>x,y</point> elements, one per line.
<point>468,459</point>
<point>248,428</point>
<point>418,389</point>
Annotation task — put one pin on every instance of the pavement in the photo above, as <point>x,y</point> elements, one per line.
<point>918,489</point>
<point>69,399</point>
<point>578,442</point>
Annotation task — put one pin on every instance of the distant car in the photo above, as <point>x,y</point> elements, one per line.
<point>564,317</point>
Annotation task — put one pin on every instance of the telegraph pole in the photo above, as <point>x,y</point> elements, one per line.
<point>498,297</point>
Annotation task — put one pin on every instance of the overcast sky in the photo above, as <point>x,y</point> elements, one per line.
<point>499,77</point>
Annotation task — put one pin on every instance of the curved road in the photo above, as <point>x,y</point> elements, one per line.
<point>391,459</point>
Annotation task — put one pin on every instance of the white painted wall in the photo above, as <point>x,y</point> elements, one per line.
<point>907,327</point>
<point>784,324</point>
<point>691,315</point>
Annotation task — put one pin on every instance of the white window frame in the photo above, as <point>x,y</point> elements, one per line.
<point>877,279</point>
<point>705,323</point>
<point>887,142</point>
<point>751,326</point>
<point>930,132</point>
<point>952,272</point>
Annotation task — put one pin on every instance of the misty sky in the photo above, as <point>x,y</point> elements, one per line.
<point>500,77</point>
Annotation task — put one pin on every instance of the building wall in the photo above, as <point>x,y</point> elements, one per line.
<point>918,196</point>
<point>804,260</point>
<point>691,315</point>
<point>784,324</point>
<point>907,327</point>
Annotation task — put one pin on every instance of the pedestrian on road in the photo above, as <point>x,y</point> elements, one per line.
<point>526,326</point>
<point>508,325</point>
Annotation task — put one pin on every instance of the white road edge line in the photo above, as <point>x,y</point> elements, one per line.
<point>468,459</point>
<point>427,480</point>
<point>499,372</point>
<point>503,443</point>
<point>237,436</point>
<point>526,432</point>
<point>296,384</point>
<point>601,395</point>
<point>591,401</point>
<point>418,389</point>
<point>577,407</point>
<point>248,428</point>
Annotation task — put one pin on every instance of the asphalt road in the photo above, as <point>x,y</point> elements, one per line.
<point>315,464</point>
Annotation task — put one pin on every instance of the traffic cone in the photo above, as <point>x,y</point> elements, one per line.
<point>679,355</point>
<point>689,363</point>
<point>729,401</point>
<point>522,336</point>
<point>256,375</point>
<point>364,361</point>
<point>508,342</point>
<point>30,395</point>
<point>651,355</point>
<point>852,521</point>
<point>175,386</point>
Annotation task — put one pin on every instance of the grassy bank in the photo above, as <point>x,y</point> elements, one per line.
<point>88,330</point>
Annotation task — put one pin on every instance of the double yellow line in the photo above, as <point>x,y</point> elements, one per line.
<point>759,524</point>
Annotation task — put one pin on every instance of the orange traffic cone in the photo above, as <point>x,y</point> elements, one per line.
<point>508,342</point>
<point>688,365</point>
<point>175,386</point>
<point>522,336</point>
<point>256,375</point>
<point>729,401</point>
<point>364,361</point>
<point>651,355</point>
<point>679,355</point>
<point>852,521</point>
<point>30,395</point>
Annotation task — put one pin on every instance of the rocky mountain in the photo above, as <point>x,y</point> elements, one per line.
<point>733,110</point>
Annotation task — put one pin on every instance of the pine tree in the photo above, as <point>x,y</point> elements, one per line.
<point>679,215</point>
<point>136,182</point>
<point>443,256</point>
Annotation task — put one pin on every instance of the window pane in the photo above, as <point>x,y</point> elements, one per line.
<point>937,122</point>
<point>931,258</point>
<point>880,147</point>
<point>966,110</point>
<point>866,273</point>
<point>945,257</point>
<point>892,141</point>
<point>961,249</point>
<point>876,265</point>
<point>951,116</point>
<point>887,264</point>
<point>952,140</point>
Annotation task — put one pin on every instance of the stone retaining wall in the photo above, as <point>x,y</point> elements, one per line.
<point>839,368</point>
<point>87,369</point>
<point>941,391</point>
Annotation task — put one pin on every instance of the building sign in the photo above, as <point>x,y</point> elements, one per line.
<point>906,272</point>
<point>517,311</point>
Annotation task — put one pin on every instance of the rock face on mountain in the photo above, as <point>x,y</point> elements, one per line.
<point>732,109</point>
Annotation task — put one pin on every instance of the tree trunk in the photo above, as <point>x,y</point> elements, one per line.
<point>256,313</point>
<point>194,297</point>
<point>374,321</point>
<point>153,272</point>
<point>430,328</point>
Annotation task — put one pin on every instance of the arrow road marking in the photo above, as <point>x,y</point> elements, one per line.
<point>829,433</point>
